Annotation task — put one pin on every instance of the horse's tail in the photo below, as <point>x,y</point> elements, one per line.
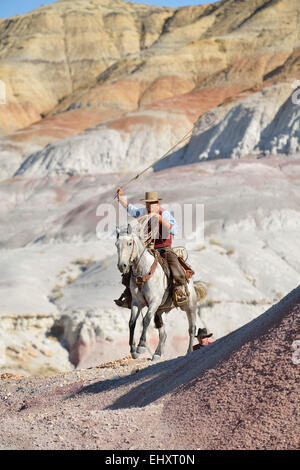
<point>200,289</point>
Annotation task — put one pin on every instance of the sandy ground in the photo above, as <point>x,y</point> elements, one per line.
<point>241,392</point>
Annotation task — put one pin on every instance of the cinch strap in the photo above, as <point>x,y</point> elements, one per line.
<point>140,280</point>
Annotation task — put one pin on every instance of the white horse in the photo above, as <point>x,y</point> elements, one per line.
<point>132,252</point>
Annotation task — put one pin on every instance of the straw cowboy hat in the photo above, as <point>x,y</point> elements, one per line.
<point>151,196</point>
<point>202,332</point>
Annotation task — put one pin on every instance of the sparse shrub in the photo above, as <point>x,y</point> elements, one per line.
<point>201,247</point>
<point>214,242</point>
<point>58,295</point>
<point>56,288</point>
<point>89,262</point>
<point>251,279</point>
<point>71,279</point>
<point>211,302</point>
<point>221,45</point>
<point>79,261</point>
<point>84,263</point>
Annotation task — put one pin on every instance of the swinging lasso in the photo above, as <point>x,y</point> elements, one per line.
<point>188,134</point>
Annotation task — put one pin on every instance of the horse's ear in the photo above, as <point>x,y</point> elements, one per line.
<point>129,229</point>
<point>117,232</point>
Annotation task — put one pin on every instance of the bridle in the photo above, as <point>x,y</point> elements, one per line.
<point>131,259</point>
<point>140,257</point>
<point>140,280</point>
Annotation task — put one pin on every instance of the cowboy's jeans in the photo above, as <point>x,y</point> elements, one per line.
<point>177,270</point>
<point>126,278</point>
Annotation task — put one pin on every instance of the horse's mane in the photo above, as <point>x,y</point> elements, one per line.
<point>137,231</point>
<point>141,231</point>
<point>129,230</point>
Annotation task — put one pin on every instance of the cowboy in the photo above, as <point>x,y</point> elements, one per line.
<point>202,337</point>
<point>167,229</point>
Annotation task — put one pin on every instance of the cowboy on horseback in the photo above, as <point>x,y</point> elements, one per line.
<point>162,243</point>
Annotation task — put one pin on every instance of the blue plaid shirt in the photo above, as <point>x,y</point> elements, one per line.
<point>138,211</point>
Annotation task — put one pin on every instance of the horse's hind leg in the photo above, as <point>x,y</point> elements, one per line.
<point>135,310</point>
<point>162,337</point>
<point>191,315</point>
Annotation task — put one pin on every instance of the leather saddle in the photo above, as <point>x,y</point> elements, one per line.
<point>176,296</point>
<point>173,298</point>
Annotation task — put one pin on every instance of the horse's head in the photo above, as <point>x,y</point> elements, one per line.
<point>127,246</point>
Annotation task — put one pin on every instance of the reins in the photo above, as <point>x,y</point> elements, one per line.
<point>140,280</point>
<point>133,245</point>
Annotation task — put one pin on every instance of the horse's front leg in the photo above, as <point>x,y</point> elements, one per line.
<point>146,322</point>
<point>135,310</point>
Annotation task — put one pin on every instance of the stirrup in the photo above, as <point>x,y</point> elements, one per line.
<point>179,297</point>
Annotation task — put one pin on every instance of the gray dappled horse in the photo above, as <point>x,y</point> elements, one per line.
<point>132,252</point>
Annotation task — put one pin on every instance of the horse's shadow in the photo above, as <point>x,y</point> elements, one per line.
<point>156,380</point>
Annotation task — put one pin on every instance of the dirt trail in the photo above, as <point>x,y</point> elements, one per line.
<point>242,392</point>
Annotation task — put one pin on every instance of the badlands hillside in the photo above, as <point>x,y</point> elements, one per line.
<point>242,392</point>
<point>97,90</point>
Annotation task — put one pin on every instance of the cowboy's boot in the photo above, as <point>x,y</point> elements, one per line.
<point>180,294</point>
<point>125,299</point>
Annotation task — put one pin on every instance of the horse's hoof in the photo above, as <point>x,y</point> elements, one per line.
<point>141,349</point>
<point>135,355</point>
<point>156,357</point>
